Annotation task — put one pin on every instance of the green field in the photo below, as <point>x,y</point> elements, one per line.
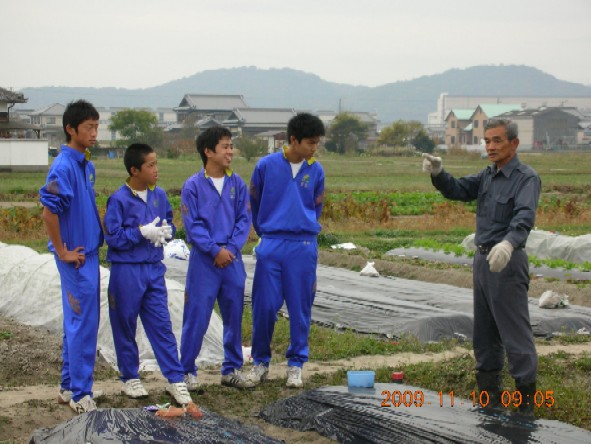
<point>377,202</point>
<point>567,173</point>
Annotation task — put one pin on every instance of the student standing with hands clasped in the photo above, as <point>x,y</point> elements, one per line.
<point>286,192</point>
<point>137,286</point>
<point>216,216</point>
<point>73,225</point>
<point>507,193</point>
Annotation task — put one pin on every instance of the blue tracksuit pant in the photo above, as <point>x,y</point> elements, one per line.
<point>285,272</point>
<point>140,290</point>
<point>81,307</point>
<point>205,284</point>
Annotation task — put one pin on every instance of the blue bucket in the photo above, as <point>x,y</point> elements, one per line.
<point>363,378</point>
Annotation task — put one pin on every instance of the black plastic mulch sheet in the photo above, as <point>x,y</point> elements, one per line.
<point>138,426</point>
<point>396,307</point>
<point>370,416</point>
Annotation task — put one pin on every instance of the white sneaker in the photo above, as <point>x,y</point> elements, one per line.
<point>65,396</point>
<point>84,405</point>
<point>294,377</point>
<point>178,390</point>
<point>237,379</point>
<point>134,389</point>
<point>191,382</point>
<point>258,373</point>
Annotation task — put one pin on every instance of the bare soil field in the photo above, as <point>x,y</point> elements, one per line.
<point>30,362</point>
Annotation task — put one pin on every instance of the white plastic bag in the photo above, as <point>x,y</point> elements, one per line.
<point>553,299</point>
<point>177,249</point>
<point>369,270</point>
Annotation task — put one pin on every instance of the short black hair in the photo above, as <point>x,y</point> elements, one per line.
<point>304,125</point>
<point>135,155</point>
<point>209,139</point>
<point>76,113</point>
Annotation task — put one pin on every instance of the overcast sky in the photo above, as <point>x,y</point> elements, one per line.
<point>144,43</point>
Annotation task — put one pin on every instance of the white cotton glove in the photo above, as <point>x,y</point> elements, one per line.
<point>432,164</point>
<point>164,234</point>
<point>167,230</point>
<point>151,231</point>
<point>499,256</point>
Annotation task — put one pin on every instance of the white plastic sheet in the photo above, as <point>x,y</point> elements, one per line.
<point>549,245</point>
<point>31,294</point>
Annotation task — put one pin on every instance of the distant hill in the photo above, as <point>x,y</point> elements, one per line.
<point>289,88</point>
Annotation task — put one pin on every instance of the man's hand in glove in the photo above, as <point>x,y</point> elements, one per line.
<point>151,231</point>
<point>432,164</point>
<point>499,256</point>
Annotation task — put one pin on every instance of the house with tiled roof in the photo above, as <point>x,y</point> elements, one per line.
<point>217,106</point>
<point>482,114</point>
<point>17,152</point>
<point>252,121</point>
<point>547,128</point>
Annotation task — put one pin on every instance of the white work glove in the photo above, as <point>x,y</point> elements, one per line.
<point>499,256</point>
<point>167,229</point>
<point>165,234</point>
<point>432,164</point>
<point>151,231</point>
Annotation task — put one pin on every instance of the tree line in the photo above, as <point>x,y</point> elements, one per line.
<point>346,134</point>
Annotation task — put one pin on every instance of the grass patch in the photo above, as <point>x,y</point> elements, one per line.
<point>562,374</point>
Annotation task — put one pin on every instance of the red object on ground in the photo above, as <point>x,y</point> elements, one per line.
<point>398,377</point>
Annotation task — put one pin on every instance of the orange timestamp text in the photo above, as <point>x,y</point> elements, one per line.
<point>416,398</point>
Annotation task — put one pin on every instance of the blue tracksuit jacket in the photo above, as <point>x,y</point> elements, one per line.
<point>69,193</point>
<point>211,222</point>
<point>285,214</point>
<point>137,285</point>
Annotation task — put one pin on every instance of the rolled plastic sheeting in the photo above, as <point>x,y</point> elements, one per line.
<point>31,294</point>
<point>359,415</point>
<point>395,307</point>
<point>109,426</point>
<point>449,258</point>
<point>549,245</point>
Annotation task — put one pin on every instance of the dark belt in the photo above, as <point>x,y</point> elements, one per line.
<point>484,248</point>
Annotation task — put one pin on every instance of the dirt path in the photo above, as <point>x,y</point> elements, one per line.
<point>12,397</point>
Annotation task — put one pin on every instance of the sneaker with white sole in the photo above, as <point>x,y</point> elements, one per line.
<point>65,396</point>
<point>191,382</point>
<point>294,377</point>
<point>258,373</point>
<point>134,389</point>
<point>86,404</point>
<point>237,379</point>
<point>178,390</point>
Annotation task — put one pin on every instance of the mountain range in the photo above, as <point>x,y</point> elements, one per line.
<point>289,88</point>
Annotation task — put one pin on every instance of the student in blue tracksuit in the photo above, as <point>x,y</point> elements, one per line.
<point>136,285</point>
<point>216,216</point>
<point>286,192</point>
<point>73,225</point>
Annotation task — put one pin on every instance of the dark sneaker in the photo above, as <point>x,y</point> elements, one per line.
<point>237,379</point>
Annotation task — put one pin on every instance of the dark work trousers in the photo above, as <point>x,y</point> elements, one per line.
<point>501,318</point>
